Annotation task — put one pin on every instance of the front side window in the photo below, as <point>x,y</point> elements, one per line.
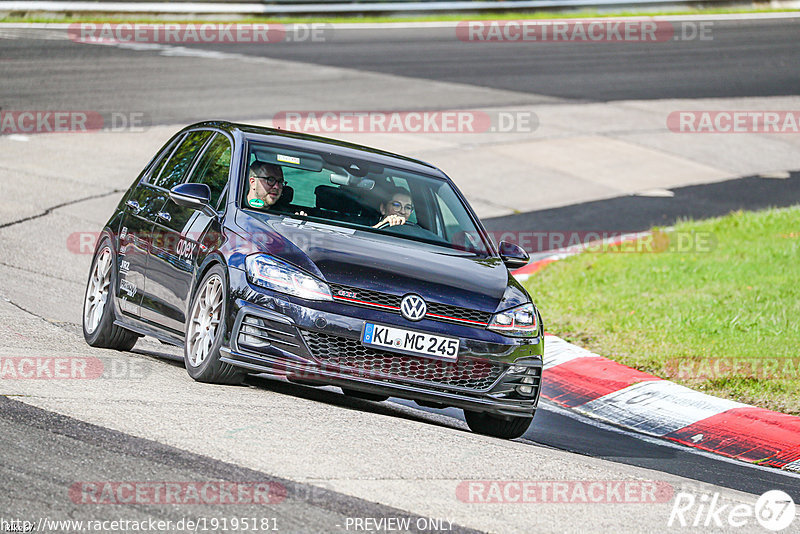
<point>180,162</point>
<point>358,194</point>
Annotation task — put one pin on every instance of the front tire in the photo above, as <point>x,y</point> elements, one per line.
<point>205,330</point>
<point>99,329</point>
<point>498,427</point>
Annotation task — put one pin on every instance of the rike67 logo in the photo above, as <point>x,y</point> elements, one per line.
<point>774,510</point>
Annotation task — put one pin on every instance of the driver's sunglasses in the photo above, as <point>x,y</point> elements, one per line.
<point>399,206</point>
<point>271,180</point>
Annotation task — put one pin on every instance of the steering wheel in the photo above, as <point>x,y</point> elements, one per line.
<point>471,243</point>
<point>407,223</point>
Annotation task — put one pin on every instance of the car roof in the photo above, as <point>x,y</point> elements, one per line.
<point>323,144</point>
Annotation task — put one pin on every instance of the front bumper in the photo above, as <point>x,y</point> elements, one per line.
<point>276,334</point>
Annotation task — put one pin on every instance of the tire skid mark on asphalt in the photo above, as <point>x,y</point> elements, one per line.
<point>49,210</point>
<point>39,273</point>
<point>60,324</point>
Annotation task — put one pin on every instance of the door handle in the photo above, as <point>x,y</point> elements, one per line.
<point>164,216</point>
<point>132,204</point>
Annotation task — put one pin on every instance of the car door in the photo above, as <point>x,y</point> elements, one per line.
<point>180,232</point>
<point>173,173</point>
<point>135,233</point>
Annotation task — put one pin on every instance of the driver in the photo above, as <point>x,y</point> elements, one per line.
<point>266,185</point>
<point>396,209</point>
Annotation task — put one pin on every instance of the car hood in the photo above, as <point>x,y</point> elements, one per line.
<point>382,263</point>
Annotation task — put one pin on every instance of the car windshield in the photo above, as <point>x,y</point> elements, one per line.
<point>359,194</point>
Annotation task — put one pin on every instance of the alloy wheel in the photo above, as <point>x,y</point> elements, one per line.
<point>204,321</point>
<point>97,291</point>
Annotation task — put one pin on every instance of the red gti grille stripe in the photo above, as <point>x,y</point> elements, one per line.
<point>367,303</point>
<point>387,306</point>
<point>455,319</point>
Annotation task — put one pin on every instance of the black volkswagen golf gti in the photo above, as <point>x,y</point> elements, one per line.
<point>324,262</point>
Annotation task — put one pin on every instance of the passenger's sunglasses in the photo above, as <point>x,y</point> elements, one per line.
<point>399,206</point>
<point>271,181</point>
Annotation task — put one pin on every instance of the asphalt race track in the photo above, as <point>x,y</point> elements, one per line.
<point>335,459</point>
<point>744,59</point>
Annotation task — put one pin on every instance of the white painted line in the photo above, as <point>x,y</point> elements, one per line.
<point>558,351</point>
<point>186,7</point>
<point>777,175</point>
<point>658,193</point>
<point>793,467</point>
<point>656,407</point>
<point>733,16</point>
<point>665,18</point>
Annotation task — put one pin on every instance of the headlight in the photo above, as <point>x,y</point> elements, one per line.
<point>517,322</point>
<point>272,273</point>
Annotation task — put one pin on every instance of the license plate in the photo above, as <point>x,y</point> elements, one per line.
<point>401,340</point>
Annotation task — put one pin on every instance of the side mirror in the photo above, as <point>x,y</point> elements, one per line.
<point>194,196</point>
<point>513,255</point>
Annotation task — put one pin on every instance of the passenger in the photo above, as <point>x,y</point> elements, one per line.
<point>397,209</point>
<point>266,185</point>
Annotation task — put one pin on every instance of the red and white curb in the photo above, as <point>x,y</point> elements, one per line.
<point>590,384</point>
<point>609,391</point>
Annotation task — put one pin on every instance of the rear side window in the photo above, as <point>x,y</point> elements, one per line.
<point>163,157</point>
<point>177,166</point>
<point>213,167</point>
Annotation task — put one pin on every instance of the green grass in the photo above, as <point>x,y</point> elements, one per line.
<point>724,318</point>
<point>502,15</point>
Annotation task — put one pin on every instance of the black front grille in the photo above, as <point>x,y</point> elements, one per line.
<point>365,295</point>
<point>441,312</point>
<point>464,314</point>
<point>353,358</point>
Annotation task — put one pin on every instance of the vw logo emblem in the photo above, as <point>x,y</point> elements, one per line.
<point>413,308</point>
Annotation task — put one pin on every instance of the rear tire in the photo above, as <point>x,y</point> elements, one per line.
<point>98,315</point>
<point>364,395</point>
<point>205,330</point>
<point>498,427</point>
